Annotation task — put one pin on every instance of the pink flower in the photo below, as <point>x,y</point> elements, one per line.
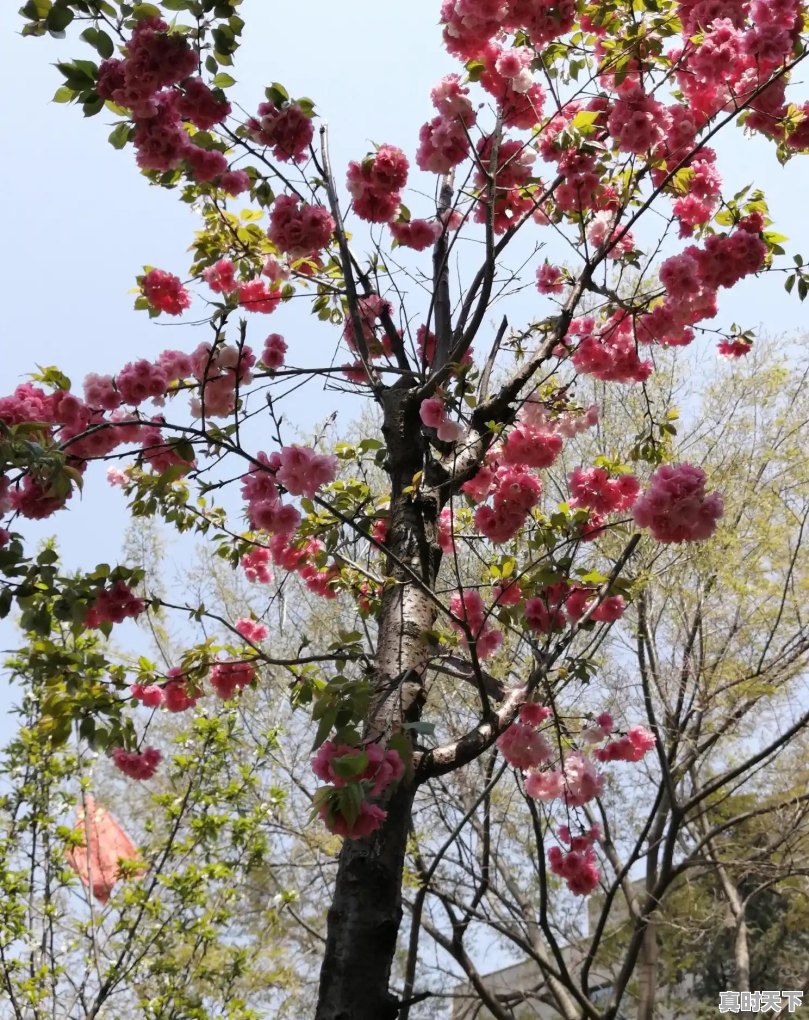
<point>368,820</point>
<point>113,605</point>
<point>221,277</point>
<point>544,785</point>
<point>675,507</point>
<point>431,412</point>
<point>550,279</point>
<point>582,781</point>
<point>234,182</point>
<point>578,864</point>
<point>257,296</point>
<point>299,229</point>
<point>201,106</point>
<point>164,292</point>
<point>523,747</point>
<point>286,129</point>
<point>205,164</point>
<point>256,565</point>
<point>302,471</point>
<point>275,348</point>
<point>533,714</point>
<point>149,695</point>
<point>253,630</point>
<point>333,763</point>
<point>227,678</point>
<point>177,697</point>
<point>636,743</point>
<point>137,766</point>
<point>415,234</point>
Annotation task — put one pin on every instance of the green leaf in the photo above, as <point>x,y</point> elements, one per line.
<point>100,42</point>
<point>141,11</point>
<point>349,766</point>
<point>92,105</point>
<point>59,17</point>
<point>422,726</point>
<point>324,726</point>
<point>63,94</point>
<point>223,81</point>
<point>36,9</point>
<point>584,120</point>
<point>120,135</point>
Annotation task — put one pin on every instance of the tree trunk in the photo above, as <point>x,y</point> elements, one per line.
<point>741,950</point>
<point>647,972</point>
<point>363,922</point>
<point>366,910</point>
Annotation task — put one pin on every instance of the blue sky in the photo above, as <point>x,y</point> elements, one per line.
<point>80,222</point>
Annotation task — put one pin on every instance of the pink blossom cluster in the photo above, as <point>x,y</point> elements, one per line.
<point>577,865</point>
<point>471,25</point>
<point>415,234</point>
<point>534,442</point>
<point>577,782</point>
<point>734,347</point>
<point>175,695</point>
<point>137,765</point>
<point>228,678</point>
<point>508,77</point>
<point>606,351</point>
<point>334,765</point>
<point>595,490</point>
<point>599,730</point>
<point>515,491</point>
<point>299,229</point>
<point>303,558</point>
<point>220,370</point>
<point>275,348</point>
<point>675,507</point>
<point>301,471</point>
<point>286,129</point>
<point>157,82</point>
<point>444,140</point>
<point>579,600</point>
<point>376,183</point>
<point>161,454</point>
<point>425,344</point>
<point>693,277</point>
<point>252,630</point>
<point>252,295</point>
<point>471,616</point>
<point>256,565</point>
<point>522,745</point>
<point>607,235</point>
<point>632,746</point>
<point>165,292</point>
<point>113,605</point>
<point>581,188</point>
<point>433,414</point>
<point>550,279</point>
<point>733,56</point>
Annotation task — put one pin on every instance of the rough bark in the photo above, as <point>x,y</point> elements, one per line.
<point>366,909</point>
<point>647,972</point>
<point>363,922</point>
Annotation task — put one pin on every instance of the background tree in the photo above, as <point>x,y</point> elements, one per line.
<point>726,902</point>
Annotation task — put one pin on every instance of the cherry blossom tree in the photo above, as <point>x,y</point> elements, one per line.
<point>584,127</point>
